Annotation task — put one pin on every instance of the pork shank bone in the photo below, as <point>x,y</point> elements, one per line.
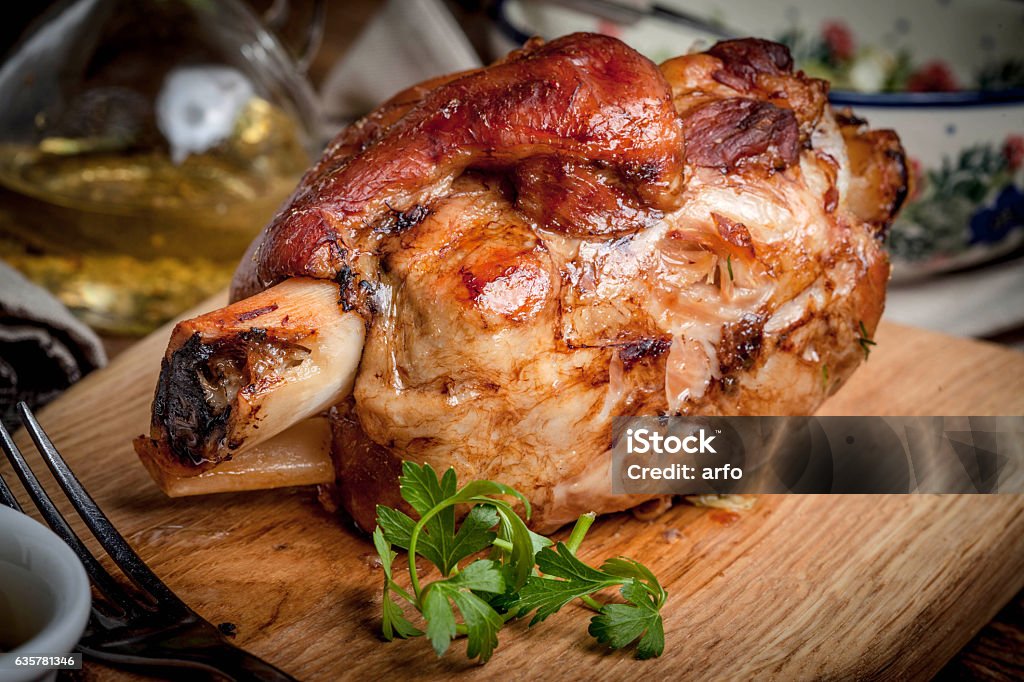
<point>234,378</point>
<point>569,234</point>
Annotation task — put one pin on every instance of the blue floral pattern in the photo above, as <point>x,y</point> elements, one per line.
<point>992,224</point>
<point>973,199</point>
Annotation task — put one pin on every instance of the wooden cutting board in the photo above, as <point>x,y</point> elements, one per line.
<point>804,587</point>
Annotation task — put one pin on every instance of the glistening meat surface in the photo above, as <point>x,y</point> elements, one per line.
<point>569,235</point>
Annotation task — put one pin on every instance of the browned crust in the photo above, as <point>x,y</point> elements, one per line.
<point>879,163</point>
<point>585,139</point>
<point>584,97</point>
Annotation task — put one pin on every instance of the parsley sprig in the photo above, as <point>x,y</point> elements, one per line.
<point>523,572</point>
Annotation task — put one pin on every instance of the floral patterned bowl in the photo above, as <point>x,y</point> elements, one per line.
<point>947,75</point>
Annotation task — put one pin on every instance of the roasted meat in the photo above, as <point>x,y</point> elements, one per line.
<point>532,248</point>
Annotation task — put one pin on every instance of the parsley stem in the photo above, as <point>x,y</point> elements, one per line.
<point>413,537</point>
<point>579,531</point>
<point>397,589</point>
<point>503,544</point>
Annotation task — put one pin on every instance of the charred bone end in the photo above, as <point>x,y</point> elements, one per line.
<point>235,377</point>
<point>181,408</point>
<point>199,387</point>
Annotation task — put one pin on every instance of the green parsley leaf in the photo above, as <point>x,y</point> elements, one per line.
<point>421,488</point>
<point>394,623</point>
<point>437,541</point>
<point>508,600</point>
<point>628,568</point>
<point>395,525</point>
<point>440,618</point>
<point>473,536</point>
<point>483,575</point>
<point>481,620</point>
<point>482,624</point>
<point>547,596</point>
<point>562,563</point>
<point>538,542</point>
<point>619,625</point>
<point>625,567</point>
<point>508,582</point>
<point>436,544</point>
<point>384,551</point>
<point>479,489</point>
<point>513,531</point>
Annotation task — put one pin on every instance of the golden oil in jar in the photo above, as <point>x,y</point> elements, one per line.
<point>127,239</point>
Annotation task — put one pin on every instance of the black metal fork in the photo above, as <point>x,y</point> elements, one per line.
<point>153,629</point>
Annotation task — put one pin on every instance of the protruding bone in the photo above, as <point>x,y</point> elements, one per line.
<point>237,376</point>
<point>300,455</point>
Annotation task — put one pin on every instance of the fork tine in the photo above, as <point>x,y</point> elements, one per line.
<point>102,579</point>
<point>109,537</point>
<point>7,497</point>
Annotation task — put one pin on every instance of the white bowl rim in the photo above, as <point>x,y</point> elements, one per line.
<point>958,98</point>
<point>63,630</point>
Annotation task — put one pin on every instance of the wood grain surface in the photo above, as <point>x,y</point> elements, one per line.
<point>802,587</point>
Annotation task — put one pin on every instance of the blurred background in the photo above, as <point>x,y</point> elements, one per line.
<point>143,143</point>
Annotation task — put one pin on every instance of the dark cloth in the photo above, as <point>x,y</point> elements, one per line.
<point>43,348</point>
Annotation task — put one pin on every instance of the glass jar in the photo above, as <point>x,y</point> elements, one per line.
<point>143,144</point>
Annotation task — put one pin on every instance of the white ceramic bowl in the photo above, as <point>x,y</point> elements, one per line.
<point>44,595</point>
<point>966,146</point>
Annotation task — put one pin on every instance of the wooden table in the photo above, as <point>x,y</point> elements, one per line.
<point>808,586</point>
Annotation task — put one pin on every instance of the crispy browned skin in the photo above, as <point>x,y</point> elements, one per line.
<point>583,98</point>
<point>575,233</point>
<point>878,172</point>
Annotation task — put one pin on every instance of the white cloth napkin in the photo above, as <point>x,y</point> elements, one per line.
<point>408,41</point>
